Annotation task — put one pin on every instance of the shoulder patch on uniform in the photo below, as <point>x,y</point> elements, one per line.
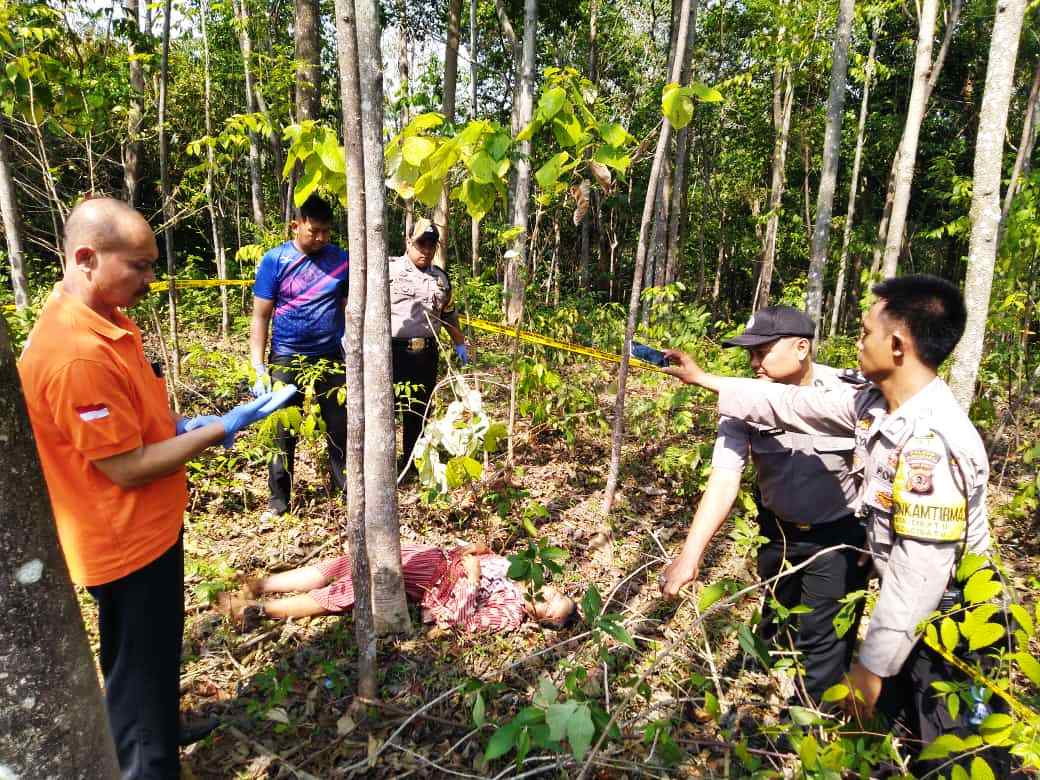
<point>927,502</point>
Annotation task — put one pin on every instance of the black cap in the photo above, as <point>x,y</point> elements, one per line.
<point>772,323</point>
<point>424,230</point>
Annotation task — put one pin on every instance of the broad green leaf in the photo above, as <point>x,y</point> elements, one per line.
<point>591,604</point>
<point>332,154</point>
<point>980,769</point>
<point>503,740</point>
<point>494,436</point>
<point>677,105</point>
<point>942,747</point>
<point>807,751</point>
<point>554,554</point>
<point>509,234</point>
<point>482,166</point>
<point>970,563</point>
<point>1030,667</point>
<point>498,145</point>
<point>548,174</point>
<point>567,129</point>
<point>950,634</point>
<point>461,470</point>
<point>754,646</point>
<point>996,728</point>
<point>984,635</point>
<point>580,731</point>
<point>618,631</point>
<point>1025,620</point>
<point>306,186</point>
<point>556,716</point>
<point>710,594</point>
<point>550,103</point>
<point>957,772</point>
<point>528,132</point>
<point>427,121</point>
<point>428,189</point>
<point>416,149</point>
<point>802,716</point>
<point>837,692</point>
<point>705,93</point>
<point>478,710</point>
<point>711,704</point>
<point>612,158</point>
<point>530,715</point>
<point>547,693</point>
<point>519,568</point>
<point>981,587</point>
<point>614,134</point>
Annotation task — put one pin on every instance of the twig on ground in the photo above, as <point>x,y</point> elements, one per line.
<point>269,753</point>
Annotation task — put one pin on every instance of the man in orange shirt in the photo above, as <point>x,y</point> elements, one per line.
<point>113,455</point>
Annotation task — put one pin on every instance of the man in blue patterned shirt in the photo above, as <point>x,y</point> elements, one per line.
<point>300,294</point>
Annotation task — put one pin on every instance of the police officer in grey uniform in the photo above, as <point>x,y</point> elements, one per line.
<point>420,303</point>
<point>806,498</point>
<point>922,469</point>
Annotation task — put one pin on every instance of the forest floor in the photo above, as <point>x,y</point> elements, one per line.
<point>284,692</point>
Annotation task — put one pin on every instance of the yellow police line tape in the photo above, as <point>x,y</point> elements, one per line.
<point>479,324</point>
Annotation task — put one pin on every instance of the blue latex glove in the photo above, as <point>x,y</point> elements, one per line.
<point>245,415</point>
<point>262,384</point>
<point>460,350</point>
<point>184,425</point>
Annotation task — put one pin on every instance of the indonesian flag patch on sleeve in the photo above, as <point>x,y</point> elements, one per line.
<point>92,412</point>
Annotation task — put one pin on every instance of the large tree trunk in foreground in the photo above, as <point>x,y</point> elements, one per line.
<point>12,225</point>
<point>985,199</point>
<point>52,715</point>
<point>133,149</point>
<point>637,278</point>
<point>908,145</point>
<point>831,151</point>
<point>850,209</point>
<point>356,538</point>
<point>169,212</point>
<point>783,101</point>
<point>389,609</point>
<point>245,44</point>
<point>442,213</point>
<point>516,266</point>
<point>308,60</point>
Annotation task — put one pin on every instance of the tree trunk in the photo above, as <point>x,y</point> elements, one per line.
<point>1025,149</point>
<point>245,43</point>
<point>517,262</point>
<point>308,60</point>
<point>985,199</point>
<point>850,209</point>
<point>357,544</point>
<point>133,149</point>
<point>442,213</point>
<point>12,225</point>
<point>831,153</point>
<point>169,212</point>
<point>908,145</point>
<point>474,229</point>
<point>389,609</point>
<point>637,278</point>
<point>783,100</point>
<point>212,205</point>
<point>52,715</point>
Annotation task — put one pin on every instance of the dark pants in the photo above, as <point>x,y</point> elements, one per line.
<point>419,369</point>
<point>819,586</point>
<point>141,623</point>
<point>333,413</point>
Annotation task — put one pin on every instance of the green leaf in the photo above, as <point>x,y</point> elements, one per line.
<point>981,587</point>
<point>427,121</point>
<point>528,132</point>
<point>556,716</point>
<point>332,154</point>
<point>996,728</point>
<point>591,604</point>
<point>980,769</point>
<point>950,634</point>
<point>498,145</point>
<point>580,731</point>
<point>482,167</point>
<point>753,645</point>
<point>519,568</point>
<point>942,747</point>
<point>677,105</point>
<point>614,134</point>
<point>530,715</point>
<point>837,692</point>
<point>1030,667</point>
<point>705,93</point>
<point>503,740</point>
<point>1025,620</point>
<point>984,635</point>
<point>619,632</point>
<point>612,158</point>
<point>307,184</point>
<point>494,436</point>
<point>550,103</point>
<point>416,149</point>
<point>567,130</point>
<point>509,234</point>
<point>428,189</point>
<point>802,716</point>
<point>548,174</point>
<point>957,772</point>
<point>478,710</point>
<point>710,594</point>
<point>461,470</point>
<point>970,563</point>
<point>807,751</point>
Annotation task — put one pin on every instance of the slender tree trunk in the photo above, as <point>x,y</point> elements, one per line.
<point>515,277</point>
<point>637,278</point>
<point>389,609</point>
<point>308,60</point>
<point>850,209</point>
<point>404,70</point>
<point>783,100</point>
<point>831,152</point>
<point>133,149</point>
<point>474,226</point>
<point>245,44</point>
<point>169,212</point>
<point>212,206</point>
<point>442,212</point>
<point>908,146</point>
<point>985,199</point>
<point>52,715</point>
<point>350,94</point>
<point>12,225</point>
<point>1025,149</point>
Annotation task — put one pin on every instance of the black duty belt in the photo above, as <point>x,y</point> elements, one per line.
<point>415,345</point>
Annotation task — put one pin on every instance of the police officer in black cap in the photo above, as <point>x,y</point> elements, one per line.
<point>806,498</point>
<point>420,303</point>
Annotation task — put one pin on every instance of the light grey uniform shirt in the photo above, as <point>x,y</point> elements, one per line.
<point>922,472</point>
<point>802,477</point>
<point>418,299</point>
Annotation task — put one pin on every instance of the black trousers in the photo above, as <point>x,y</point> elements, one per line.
<point>141,622</point>
<point>819,586</point>
<point>418,369</point>
<point>333,413</point>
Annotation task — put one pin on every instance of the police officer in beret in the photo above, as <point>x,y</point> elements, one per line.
<point>420,304</point>
<point>806,499</point>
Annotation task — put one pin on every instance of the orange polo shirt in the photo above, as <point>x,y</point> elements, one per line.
<point>92,394</point>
